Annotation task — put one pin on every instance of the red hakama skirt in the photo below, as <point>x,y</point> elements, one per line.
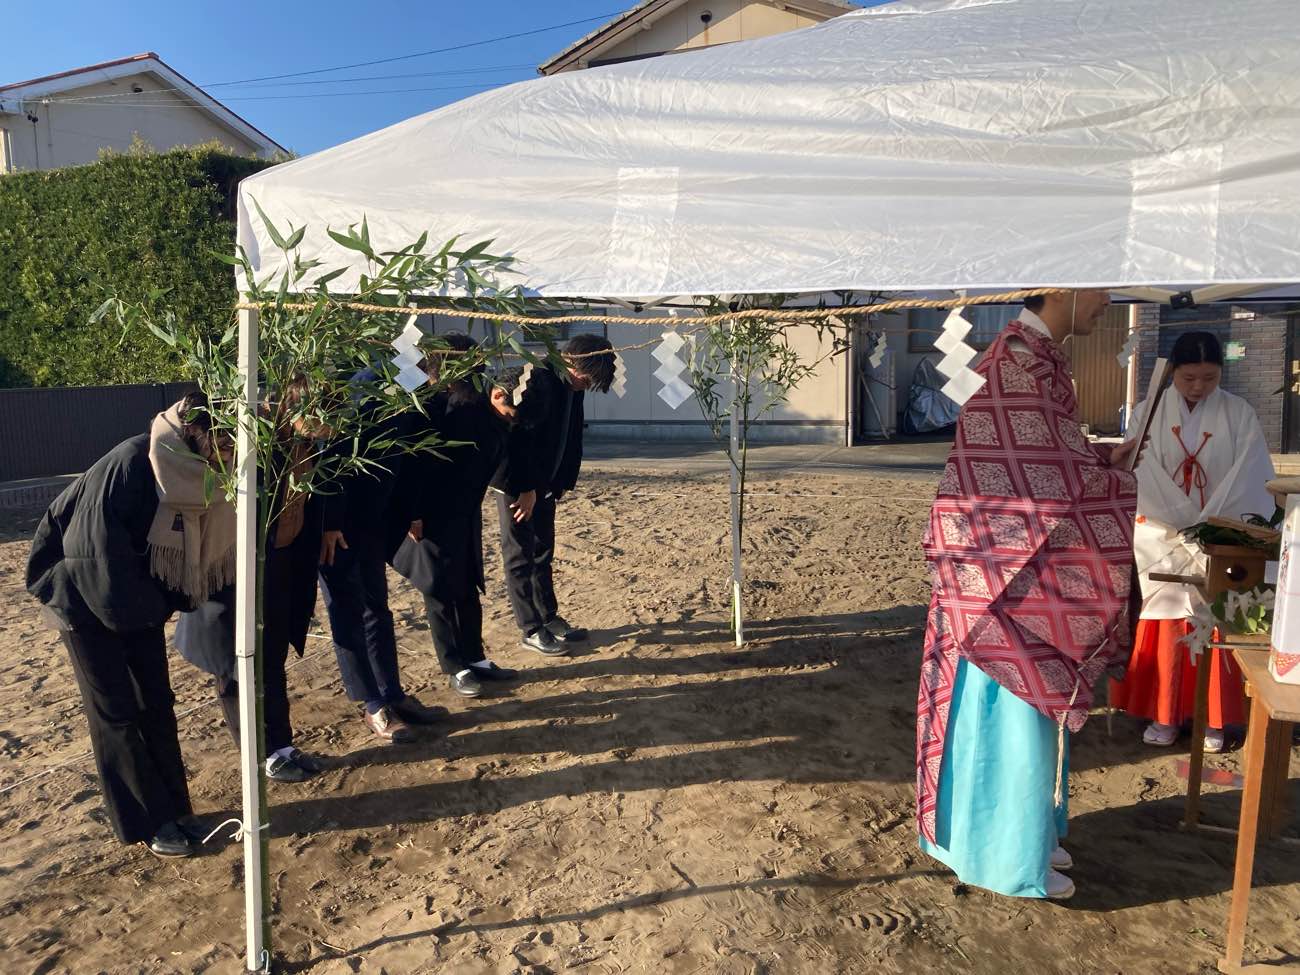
<point>1161,681</point>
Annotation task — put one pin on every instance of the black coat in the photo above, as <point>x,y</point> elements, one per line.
<point>206,637</point>
<point>545,454</point>
<point>449,501</point>
<point>365,505</point>
<point>89,561</point>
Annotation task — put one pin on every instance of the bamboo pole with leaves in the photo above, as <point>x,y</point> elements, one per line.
<point>761,369</point>
<point>304,422</point>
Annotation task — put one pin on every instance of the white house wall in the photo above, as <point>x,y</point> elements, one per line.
<point>73,133</point>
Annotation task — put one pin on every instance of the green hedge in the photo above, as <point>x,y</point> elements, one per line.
<point>135,224</point>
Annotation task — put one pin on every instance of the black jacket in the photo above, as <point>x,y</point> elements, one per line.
<point>206,637</point>
<point>449,502</point>
<point>545,454</point>
<point>366,504</point>
<point>89,561</point>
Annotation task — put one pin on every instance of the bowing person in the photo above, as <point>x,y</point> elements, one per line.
<point>135,538</point>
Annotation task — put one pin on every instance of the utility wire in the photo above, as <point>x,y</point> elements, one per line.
<point>418,54</point>
<point>363,64</point>
<point>110,96</point>
<point>483,86</point>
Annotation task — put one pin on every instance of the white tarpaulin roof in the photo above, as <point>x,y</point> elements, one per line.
<point>913,146</point>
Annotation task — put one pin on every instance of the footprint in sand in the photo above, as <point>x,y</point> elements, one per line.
<point>885,922</point>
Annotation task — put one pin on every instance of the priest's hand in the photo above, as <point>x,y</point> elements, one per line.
<point>1119,456</point>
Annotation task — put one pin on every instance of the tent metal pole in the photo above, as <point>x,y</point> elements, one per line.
<point>246,641</point>
<point>1131,377</point>
<point>850,383</point>
<point>737,609</point>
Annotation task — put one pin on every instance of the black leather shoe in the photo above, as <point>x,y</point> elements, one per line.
<point>565,633</point>
<point>308,763</point>
<point>413,712</point>
<point>493,672</point>
<point>466,684</point>
<point>542,642</point>
<point>281,769</point>
<point>171,841</point>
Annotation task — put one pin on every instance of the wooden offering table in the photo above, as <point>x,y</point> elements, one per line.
<point>1229,568</point>
<point>1274,708</point>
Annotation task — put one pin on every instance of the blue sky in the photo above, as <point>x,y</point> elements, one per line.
<point>213,43</point>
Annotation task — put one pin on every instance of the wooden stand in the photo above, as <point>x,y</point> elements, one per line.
<point>1200,719</point>
<point>1273,709</point>
<point>1231,568</point>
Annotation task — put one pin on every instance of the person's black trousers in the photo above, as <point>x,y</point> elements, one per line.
<point>276,627</point>
<point>528,550</point>
<point>456,624</point>
<point>355,589</point>
<point>130,708</point>
<point>277,623</point>
<point>275,701</point>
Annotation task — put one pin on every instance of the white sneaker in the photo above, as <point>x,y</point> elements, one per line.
<point>1059,886</point>
<point>1160,735</point>
<point>1061,859</point>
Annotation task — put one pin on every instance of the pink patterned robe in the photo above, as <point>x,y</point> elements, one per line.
<point>1030,546</point>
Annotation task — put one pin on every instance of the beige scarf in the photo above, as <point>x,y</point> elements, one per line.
<point>192,538</point>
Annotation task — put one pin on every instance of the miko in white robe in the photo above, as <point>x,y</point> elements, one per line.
<point>1207,459</point>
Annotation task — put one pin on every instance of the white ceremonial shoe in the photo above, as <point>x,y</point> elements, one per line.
<point>1061,859</point>
<point>1214,740</point>
<point>1059,886</point>
<point>1160,735</point>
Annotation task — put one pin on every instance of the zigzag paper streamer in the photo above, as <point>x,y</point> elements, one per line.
<point>409,340</point>
<point>877,357</point>
<point>1126,353</point>
<point>956,360</point>
<point>675,391</point>
<point>518,396</point>
<point>619,386</point>
<point>412,378</point>
<point>963,386</point>
<point>959,354</point>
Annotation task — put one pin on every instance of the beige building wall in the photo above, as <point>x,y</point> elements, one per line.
<point>73,133</point>
<point>681,29</point>
<point>815,412</point>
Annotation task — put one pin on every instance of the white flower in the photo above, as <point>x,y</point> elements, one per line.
<point>1203,625</point>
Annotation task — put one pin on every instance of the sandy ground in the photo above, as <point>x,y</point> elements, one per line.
<point>662,803</point>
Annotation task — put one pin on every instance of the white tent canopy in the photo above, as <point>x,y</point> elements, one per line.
<point>913,146</point>
<point>917,146</point>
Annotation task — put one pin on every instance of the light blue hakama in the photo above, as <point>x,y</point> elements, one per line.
<point>997,822</point>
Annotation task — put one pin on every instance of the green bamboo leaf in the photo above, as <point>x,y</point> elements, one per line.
<point>352,242</point>
<point>475,251</point>
<point>325,279</point>
<point>270,227</point>
<point>168,337</point>
<point>102,310</point>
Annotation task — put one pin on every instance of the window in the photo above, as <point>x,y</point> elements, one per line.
<point>986,321</point>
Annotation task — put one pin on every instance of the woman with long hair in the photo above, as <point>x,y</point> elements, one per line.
<point>1206,456</point>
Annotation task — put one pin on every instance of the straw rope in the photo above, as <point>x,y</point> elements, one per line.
<point>783,315</point>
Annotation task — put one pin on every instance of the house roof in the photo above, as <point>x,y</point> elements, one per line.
<point>628,20</point>
<point>36,89</point>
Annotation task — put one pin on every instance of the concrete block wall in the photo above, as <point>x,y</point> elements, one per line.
<point>1256,378</point>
